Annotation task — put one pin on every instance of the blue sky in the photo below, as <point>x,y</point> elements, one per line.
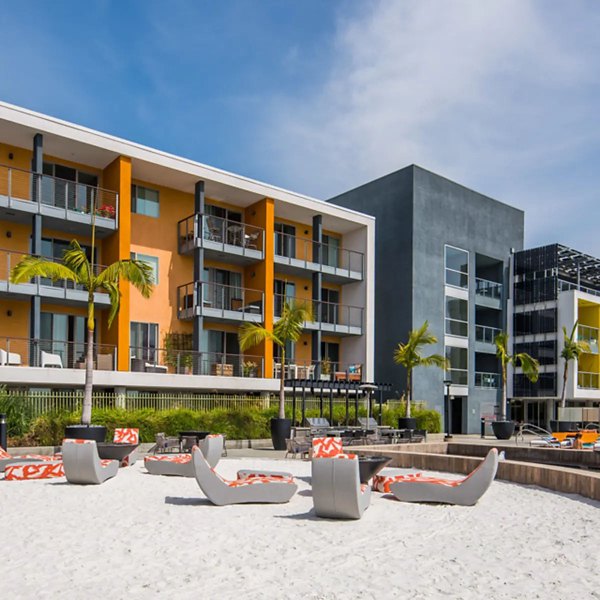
<point>321,96</point>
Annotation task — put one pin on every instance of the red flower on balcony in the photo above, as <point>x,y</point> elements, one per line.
<point>107,211</point>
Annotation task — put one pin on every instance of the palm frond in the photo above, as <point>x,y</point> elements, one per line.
<point>289,326</point>
<point>112,289</point>
<point>137,272</point>
<point>434,360</point>
<point>76,259</point>
<point>34,266</point>
<point>253,334</point>
<point>530,365</point>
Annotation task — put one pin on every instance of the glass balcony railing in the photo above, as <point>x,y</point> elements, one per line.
<point>588,381</point>
<point>487,380</point>
<point>488,289</point>
<point>486,334</point>
<point>590,336</point>
<point>328,313</point>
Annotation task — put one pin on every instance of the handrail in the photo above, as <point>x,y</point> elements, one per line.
<point>486,333</point>
<point>488,288</point>
<point>325,312</point>
<point>532,429</point>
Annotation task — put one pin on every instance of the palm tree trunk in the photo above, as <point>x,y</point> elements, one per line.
<point>281,414</point>
<point>86,415</point>
<point>504,395</point>
<point>408,392</point>
<point>563,397</point>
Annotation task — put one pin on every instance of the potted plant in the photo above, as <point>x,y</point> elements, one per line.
<point>502,428</point>
<point>287,329</point>
<point>249,368</point>
<point>178,352</point>
<point>76,267</point>
<point>325,370</point>
<point>571,350</point>
<point>409,356</point>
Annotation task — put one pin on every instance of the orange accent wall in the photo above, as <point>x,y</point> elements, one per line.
<point>117,176</point>
<point>17,325</point>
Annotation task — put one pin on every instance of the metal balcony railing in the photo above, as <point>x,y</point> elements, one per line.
<point>26,352</point>
<point>307,252</point>
<point>219,231</point>
<point>588,381</point>
<point>488,289</point>
<point>487,380</point>
<point>211,297</point>
<point>323,370</point>
<point>325,312</point>
<point>589,335</point>
<point>18,184</point>
<point>486,334</point>
<point>189,362</point>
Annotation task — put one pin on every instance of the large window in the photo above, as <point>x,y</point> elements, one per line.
<point>151,261</point>
<point>144,201</point>
<point>459,365</point>
<point>457,316</point>
<point>330,250</point>
<point>64,335</point>
<point>68,187</point>
<point>457,267</point>
<point>536,321</point>
<point>285,240</point>
<point>144,341</point>
<point>285,291</point>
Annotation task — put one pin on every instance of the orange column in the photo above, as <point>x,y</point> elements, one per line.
<point>117,176</point>
<point>261,276</point>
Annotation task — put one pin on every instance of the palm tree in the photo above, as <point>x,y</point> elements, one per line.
<point>287,329</point>
<point>76,267</point>
<point>409,356</point>
<point>572,348</point>
<point>529,365</point>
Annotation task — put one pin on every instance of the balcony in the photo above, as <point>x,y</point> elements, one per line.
<point>295,256</point>
<point>241,243</point>
<point>215,301</point>
<point>323,370</point>
<point>484,338</point>
<point>588,381</point>
<point>590,336</point>
<point>487,380</point>
<point>24,193</point>
<point>65,290</point>
<point>328,317</point>
<point>488,293</point>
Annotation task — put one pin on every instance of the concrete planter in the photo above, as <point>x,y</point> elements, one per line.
<point>85,432</point>
<point>503,430</point>
<point>281,429</point>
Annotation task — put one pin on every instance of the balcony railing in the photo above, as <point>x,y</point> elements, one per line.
<point>324,370</point>
<point>219,231</point>
<point>214,298</point>
<point>329,313</point>
<point>54,353</point>
<point>588,381</point>
<point>486,334</point>
<point>47,190</point>
<point>305,252</point>
<point>589,335</point>
<point>488,289</point>
<point>189,362</point>
<point>487,380</point>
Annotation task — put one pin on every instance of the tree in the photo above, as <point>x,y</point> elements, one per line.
<point>76,267</point>
<point>529,365</point>
<point>572,348</point>
<point>287,329</point>
<point>409,356</point>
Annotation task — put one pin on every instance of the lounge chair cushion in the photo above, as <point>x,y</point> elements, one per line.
<point>381,483</point>
<point>40,470</point>
<point>327,447</point>
<point>125,435</point>
<point>253,473</point>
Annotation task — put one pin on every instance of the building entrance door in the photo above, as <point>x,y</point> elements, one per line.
<point>457,404</point>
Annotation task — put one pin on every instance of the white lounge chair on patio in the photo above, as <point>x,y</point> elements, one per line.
<point>271,489</point>
<point>51,360</point>
<point>9,358</point>
<point>336,488</point>
<point>464,492</point>
<point>83,465</point>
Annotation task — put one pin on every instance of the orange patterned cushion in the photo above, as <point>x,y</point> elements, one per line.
<point>126,436</point>
<point>214,435</point>
<point>4,453</point>
<point>77,441</point>
<point>176,458</point>
<point>254,480</point>
<point>34,471</point>
<point>327,447</point>
<point>381,483</point>
<point>104,462</point>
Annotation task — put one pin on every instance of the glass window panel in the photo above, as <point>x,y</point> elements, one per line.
<point>458,357</point>
<point>145,201</point>
<point>456,308</point>
<point>151,261</point>
<point>457,328</point>
<point>456,259</point>
<point>457,279</point>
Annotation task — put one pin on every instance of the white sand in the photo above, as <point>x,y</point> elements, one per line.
<point>143,536</point>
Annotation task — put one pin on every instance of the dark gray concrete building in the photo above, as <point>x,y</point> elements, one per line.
<point>442,255</point>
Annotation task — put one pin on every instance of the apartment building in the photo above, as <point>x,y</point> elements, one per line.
<point>555,287</point>
<point>442,255</point>
<point>224,250</point>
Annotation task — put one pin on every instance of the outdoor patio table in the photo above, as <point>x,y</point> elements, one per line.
<point>199,435</point>
<point>369,466</point>
<point>114,451</point>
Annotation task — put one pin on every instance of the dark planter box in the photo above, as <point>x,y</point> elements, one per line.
<point>407,423</point>
<point>503,430</point>
<point>85,432</point>
<point>281,429</point>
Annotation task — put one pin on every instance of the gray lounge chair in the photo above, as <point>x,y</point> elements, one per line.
<point>83,465</point>
<point>254,490</point>
<point>336,488</point>
<point>7,459</point>
<point>464,492</point>
<point>179,465</point>
<point>212,448</point>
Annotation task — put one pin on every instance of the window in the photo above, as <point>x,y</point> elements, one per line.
<point>457,267</point>
<point>144,201</point>
<point>285,240</point>
<point>222,289</point>
<point>330,351</point>
<point>457,316</point>
<point>151,261</point>
<point>67,187</point>
<point>64,335</point>
<point>330,306</point>
<point>330,250</point>
<point>144,341</point>
<point>459,365</point>
<point>285,291</point>
<point>220,225</point>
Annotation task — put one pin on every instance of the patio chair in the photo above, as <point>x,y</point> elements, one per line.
<point>165,443</point>
<point>9,358</point>
<point>212,448</point>
<point>336,488</point>
<point>124,435</point>
<point>51,360</point>
<point>83,465</point>
<point>7,459</point>
<point>178,465</point>
<point>464,492</point>
<point>298,445</point>
<point>271,489</point>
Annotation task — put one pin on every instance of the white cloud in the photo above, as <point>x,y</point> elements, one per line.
<point>499,95</point>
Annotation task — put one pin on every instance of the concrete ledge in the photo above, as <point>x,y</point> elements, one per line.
<point>555,478</point>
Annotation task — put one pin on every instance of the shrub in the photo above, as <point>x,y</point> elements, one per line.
<point>19,413</point>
